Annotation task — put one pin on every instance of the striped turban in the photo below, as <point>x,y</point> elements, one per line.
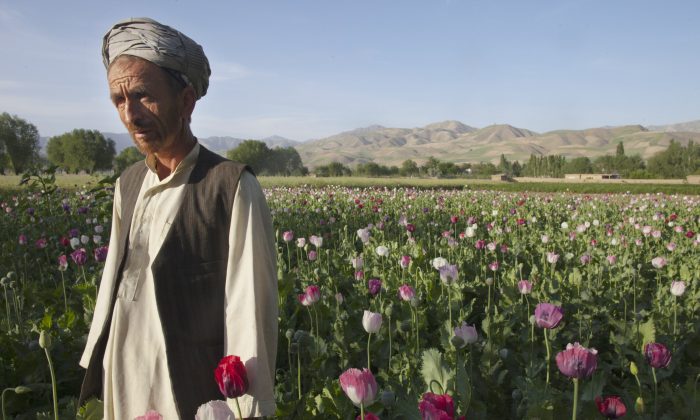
<point>163,46</point>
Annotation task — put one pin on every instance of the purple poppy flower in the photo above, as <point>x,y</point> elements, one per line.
<point>548,315</point>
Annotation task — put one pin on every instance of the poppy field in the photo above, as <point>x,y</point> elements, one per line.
<point>403,303</point>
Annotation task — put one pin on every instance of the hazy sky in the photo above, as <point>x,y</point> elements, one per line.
<point>308,69</point>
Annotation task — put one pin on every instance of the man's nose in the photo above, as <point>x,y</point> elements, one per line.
<point>133,111</point>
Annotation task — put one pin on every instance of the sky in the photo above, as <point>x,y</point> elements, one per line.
<point>306,69</point>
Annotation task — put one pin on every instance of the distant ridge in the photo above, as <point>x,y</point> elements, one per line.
<point>456,142</point>
<point>690,126</point>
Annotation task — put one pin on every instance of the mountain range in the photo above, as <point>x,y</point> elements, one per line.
<point>457,142</point>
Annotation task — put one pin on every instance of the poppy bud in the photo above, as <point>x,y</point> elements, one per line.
<point>639,405</point>
<point>44,340</point>
<point>231,377</point>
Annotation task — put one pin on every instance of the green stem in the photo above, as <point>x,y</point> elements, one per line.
<point>449,303</point>
<point>4,416</point>
<point>369,337</point>
<point>65,298</point>
<point>362,411</point>
<point>238,409</point>
<point>546,343</point>
<point>656,393</point>
<point>53,384</point>
<point>299,372</point>
<point>573,414</point>
<point>675,313</point>
<point>389,325</point>
<point>7,306</point>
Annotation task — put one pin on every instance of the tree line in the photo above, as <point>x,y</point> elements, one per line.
<point>89,151</point>
<point>677,161</point>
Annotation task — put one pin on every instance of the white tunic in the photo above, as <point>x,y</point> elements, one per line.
<point>135,365</point>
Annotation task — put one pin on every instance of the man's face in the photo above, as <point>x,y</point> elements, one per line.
<point>148,105</point>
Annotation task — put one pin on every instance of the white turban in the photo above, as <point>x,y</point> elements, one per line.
<point>161,45</point>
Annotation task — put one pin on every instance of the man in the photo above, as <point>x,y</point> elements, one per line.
<point>191,272</point>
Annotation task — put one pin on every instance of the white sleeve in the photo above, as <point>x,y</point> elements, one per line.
<point>251,296</point>
<point>106,285</point>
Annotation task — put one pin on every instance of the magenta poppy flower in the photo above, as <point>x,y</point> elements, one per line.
<point>374,286</point>
<point>480,244</point>
<point>22,239</point>
<point>406,292</point>
<point>287,236</point>
<point>525,287</point>
<point>454,219</point>
<point>312,255</point>
<point>62,262</point>
<point>79,256</point>
<point>368,416</point>
<point>359,385</point>
<point>548,315</point>
<point>436,406</point>
<point>101,253</point>
<point>577,361</point>
<point>40,243</point>
<point>657,355</point>
<point>405,261</point>
<point>494,266</point>
<point>150,415</point>
<point>310,296</point>
<point>611,406</point>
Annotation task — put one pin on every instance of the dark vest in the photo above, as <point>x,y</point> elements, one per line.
<point>189,277</point>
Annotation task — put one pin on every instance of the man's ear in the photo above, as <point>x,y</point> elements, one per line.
<point>188,98</point>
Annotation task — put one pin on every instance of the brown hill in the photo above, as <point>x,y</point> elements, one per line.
<point>456,142</point>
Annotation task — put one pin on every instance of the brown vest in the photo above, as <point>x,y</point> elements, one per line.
<point>189,275</point>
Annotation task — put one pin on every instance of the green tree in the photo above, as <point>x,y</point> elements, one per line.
<point>676,161</point>
<point>254,153</point>
<point>431,167</point>
<point>81,150</point>
<point>505,166</point>
<point>578,165</point>
<point>285,161</point>
<point>620,151</point>
<point>408,168</point>
<point>126,158</point>
<point>332,169</point>
<point>19,143</point>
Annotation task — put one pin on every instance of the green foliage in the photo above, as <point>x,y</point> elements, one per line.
<point>437,376</point>
<point>578,165</point>
<point>126,158</point>
<point>374,169</point>
<point>676,161</point>
<point>408,168</point>
<point>81,150</point>
<point>332,169</point>
<point>551,166</point>
<point>19,143</point>
<point>265,161</point>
